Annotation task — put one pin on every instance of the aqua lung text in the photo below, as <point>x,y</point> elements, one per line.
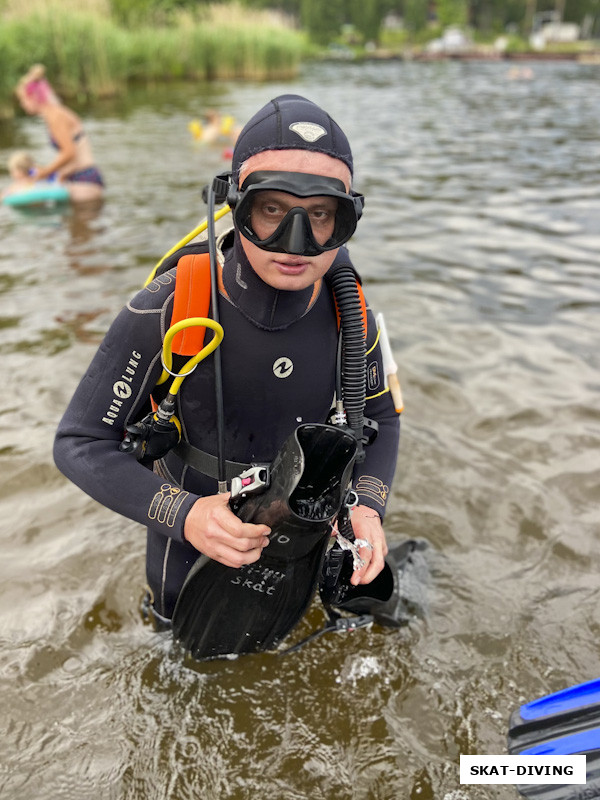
<point>122,388</point>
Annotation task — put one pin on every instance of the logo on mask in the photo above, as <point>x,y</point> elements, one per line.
<point>283,367</point>
<point>309,131</point>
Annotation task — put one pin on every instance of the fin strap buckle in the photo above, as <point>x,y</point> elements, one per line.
<point>250,481</point>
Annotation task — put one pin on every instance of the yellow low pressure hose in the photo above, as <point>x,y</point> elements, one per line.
<point>189,366</point>
<point>153,437</point>
<point>187,238</point>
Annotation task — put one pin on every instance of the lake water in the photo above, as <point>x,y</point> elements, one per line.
<point>481,244</point>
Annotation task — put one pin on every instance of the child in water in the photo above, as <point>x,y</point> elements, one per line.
<point>21,168</point>
<point>216,130</point>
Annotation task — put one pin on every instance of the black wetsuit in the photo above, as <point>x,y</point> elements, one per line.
<point>278,356</point>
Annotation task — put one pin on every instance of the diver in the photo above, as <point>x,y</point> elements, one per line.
<point>293,211</point>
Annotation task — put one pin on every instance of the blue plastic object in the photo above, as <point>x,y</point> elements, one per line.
<point>41,193</point>
<point>584,694</point>
<point>560,724</point>
<point>582,742</point>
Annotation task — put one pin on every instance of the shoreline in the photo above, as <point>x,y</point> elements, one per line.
<point>477,54</point>
<point>524,56</point>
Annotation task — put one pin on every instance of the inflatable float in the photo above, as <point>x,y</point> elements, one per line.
<point>40,194</point>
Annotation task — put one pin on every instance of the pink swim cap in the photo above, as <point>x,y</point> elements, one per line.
<point>38,89</point>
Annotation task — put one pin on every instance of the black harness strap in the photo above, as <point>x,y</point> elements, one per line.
<point>207,463</point>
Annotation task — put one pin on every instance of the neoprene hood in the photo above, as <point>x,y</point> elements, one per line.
<point>291,122</point>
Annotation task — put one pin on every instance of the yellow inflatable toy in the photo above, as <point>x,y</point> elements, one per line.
<point>214,128</point>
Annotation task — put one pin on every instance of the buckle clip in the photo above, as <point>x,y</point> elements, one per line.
<point>250,481</point>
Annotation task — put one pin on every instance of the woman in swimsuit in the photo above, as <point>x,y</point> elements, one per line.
<point>74,163</point>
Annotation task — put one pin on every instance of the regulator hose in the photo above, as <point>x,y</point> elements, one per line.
<point>343,282</point>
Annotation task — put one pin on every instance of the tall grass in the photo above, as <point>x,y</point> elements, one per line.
<point>87,54</point>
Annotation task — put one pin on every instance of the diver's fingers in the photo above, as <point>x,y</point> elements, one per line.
<point>227,520</point>
<point>213,529</point>
<point>238,529</point>
<point>372,568</point>
<point>366,524</point>
<point>242,544</point>
<point>367,527</point>
<point>236,558</point>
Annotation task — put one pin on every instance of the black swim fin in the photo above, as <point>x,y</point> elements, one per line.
<point>563,723</point>
<point>395,596</point>
<point>224,611</point>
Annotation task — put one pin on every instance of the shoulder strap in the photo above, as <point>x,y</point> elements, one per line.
<point>192,299</point>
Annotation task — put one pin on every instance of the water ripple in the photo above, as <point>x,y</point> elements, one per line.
<point>480,242</point>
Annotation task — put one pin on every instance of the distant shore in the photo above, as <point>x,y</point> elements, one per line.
<point>476,54</point>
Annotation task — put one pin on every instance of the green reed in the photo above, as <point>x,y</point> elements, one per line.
<point>88,55</point>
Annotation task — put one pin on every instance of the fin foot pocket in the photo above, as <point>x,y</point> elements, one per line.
<point>223,611</point>
<point>394,597</point>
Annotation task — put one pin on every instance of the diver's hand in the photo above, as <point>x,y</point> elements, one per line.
<point>213,529</point>
<point>366,525</point>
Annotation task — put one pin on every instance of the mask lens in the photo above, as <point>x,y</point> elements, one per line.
<point>295,212</point>
<point>268,210</point>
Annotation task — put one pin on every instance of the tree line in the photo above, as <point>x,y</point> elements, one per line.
<point>325,20</point>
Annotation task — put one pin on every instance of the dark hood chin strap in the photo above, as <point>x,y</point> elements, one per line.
<point>268,308</point>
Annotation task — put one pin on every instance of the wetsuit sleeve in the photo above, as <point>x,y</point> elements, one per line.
<point>112,394</point>
<point>373,477</point>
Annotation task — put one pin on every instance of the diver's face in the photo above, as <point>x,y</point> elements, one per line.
<point>283,270</point>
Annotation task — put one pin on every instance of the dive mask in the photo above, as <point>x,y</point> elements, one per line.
<point>265,213</point>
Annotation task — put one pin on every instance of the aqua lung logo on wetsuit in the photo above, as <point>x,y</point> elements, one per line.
<point>283,367</point>
<point>122,388</point>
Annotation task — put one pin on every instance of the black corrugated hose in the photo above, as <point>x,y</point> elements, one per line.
<point>354,349</point>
